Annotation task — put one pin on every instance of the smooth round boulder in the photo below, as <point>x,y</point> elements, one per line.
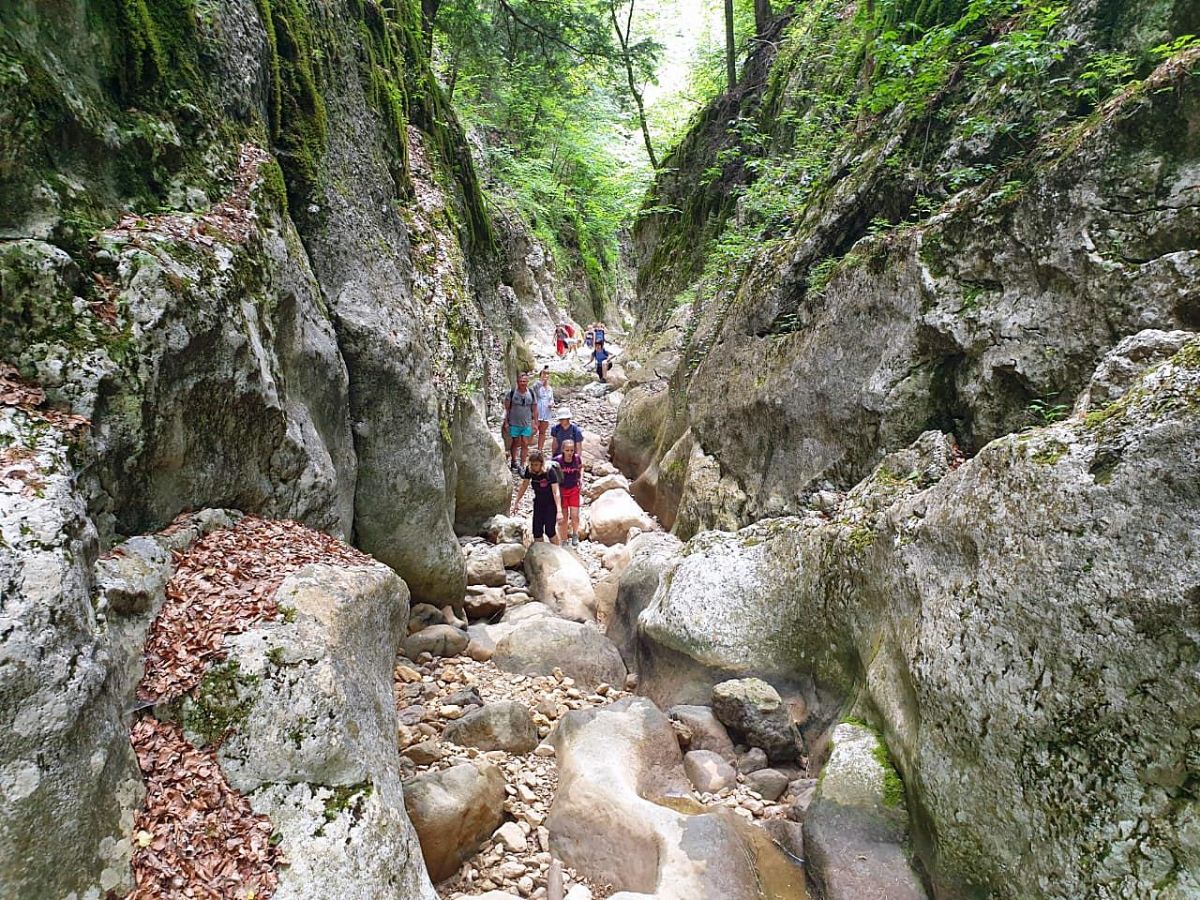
<point>708,772</point>
<point>769,783</point>
<point>605,484</point>
<point>540,644</point>
<point>436,640</point>
<point>454,811</point>
<point>614,514</point>
<point>506,725</point>
<point>513,554</point>
<point>753,710</point>
<point>559,580</point>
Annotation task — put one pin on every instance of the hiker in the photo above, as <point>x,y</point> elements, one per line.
<point>598,330</point>
<point>519,408</point>
<point>589,337</point>
<point>545,403</point>
<point>603,359</point>
<point>565,430</point>
<point>544,479</point>
<point>570,474</point>
<point>560,339</point>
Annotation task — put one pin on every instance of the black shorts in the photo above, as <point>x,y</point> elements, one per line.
<point>545,521</point>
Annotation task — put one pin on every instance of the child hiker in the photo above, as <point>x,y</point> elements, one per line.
<point>544,479</point>
<point>570,469</point>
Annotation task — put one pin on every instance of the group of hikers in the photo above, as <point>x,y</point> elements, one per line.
<point>593,338</point>
<point>557,475</point>
<point>556,472</point>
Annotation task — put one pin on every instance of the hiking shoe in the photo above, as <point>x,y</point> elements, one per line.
<point>574,540</point>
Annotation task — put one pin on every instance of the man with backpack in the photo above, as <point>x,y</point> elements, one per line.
<point>519,407</point>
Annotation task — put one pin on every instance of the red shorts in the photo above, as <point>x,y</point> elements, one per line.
<point>570,496</point>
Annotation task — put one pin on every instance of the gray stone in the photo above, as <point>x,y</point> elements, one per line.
<point>454,811</point>
<point>753,760</point>
<point>770,783</point>
<point>132,577</point>
<point>508,530</point>
<point>485,566</point>
<point>320,722</point>
<point>540,644</point>
<point>755,711</point>
<point>707,732</point>
<point>424,615</point>
<point>856,831</point>
<point>513,554</point>
<point>708,771</point>
<point>505,725</point>
<point>559,580</point>
<point>484,603</point>
<point>438,640</point>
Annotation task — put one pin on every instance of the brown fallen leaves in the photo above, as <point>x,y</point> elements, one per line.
<point>17,393</point>
<point>223,584</point>
<point>196,837</point>
<point>229,220</point>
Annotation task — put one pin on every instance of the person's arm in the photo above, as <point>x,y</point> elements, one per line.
<point>520,493</point>
<point>554,489</point>
<point>507,408</point>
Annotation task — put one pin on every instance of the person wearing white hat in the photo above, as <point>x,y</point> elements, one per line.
<point>565,430</point>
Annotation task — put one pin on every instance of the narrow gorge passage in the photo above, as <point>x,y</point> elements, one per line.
<point>549,677</point>
<point>888,583</point>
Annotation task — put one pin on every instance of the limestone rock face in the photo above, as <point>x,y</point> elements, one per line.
<point>559,580</point>
<point>620,814</point>
<point>69,783</point>
<point>856,830</point>
<point>454,811</point>
<point>315,745</point>
<point>837,346</point>
<point>983,611</point>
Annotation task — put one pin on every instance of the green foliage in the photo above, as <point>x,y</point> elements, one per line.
<point>545,83</point>
<point>151,39</point>
<point>221,703</point>
<point>1044,412</point>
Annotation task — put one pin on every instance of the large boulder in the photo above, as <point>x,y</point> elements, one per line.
<point>983,610</point>
<point>623,815</point>
<point>540,644</point>
<point>755,712</point>
<point>651,557</point>
<point>69,782</point>
<point>505,725</point>
<point>454,811</point>
<point>313,740</point>
<point>483,485</point>
<point>708,772</point>
<point>436,640</point>
<point>856,830</point>
<point>559,580</point>
<point>613,514</point>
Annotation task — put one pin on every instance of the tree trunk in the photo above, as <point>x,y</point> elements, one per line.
<point>623,38</point>
<point>730,46</point>
<point>429,11</point>
<point>763,17</point>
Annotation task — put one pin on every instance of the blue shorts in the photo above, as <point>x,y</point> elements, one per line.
<point>519,431</point>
